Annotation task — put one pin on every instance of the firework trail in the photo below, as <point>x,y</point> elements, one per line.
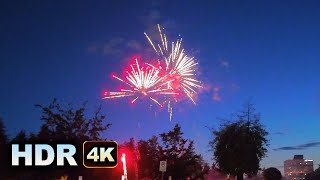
<point>142,81</point>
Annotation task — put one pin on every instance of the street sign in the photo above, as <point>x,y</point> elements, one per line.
<point>163,166</point>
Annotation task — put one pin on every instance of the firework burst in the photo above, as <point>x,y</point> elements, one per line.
<point>142,81</point>
<point>179,66</point>
<point>155,82</point>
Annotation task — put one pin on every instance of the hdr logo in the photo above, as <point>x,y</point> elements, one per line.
<point>41,155</point>
<point>100,154</point>
<point>95,154</point>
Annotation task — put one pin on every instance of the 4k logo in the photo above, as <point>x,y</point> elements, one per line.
<point>100,154</point>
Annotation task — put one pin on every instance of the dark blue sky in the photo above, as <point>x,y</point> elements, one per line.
<point>265,50</point>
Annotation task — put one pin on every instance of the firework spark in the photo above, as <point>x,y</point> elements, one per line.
<point>179,66</point>
<point>153,81</point>
<point>142,81</point>
<point>124,166</point>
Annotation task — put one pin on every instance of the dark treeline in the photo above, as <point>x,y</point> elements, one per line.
<point>70,124</point>
<point>238,146</point>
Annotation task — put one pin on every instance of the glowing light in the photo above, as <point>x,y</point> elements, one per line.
<point>123,159</point>
<point>162,83</point>
<point>308,160</point>
<point>178,65</point>
<point>143,81</point>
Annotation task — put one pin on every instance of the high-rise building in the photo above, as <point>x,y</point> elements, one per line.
<point>297,168</point>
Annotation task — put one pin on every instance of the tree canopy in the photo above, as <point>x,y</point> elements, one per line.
<point>151,152</point>
<point>179,152</point>
<point>68,123</point>
<point>62,124</point>
<point>143,158</point>
<point>4,159</point>
<point>3,135</point>
<point>73,124</point>
<point>239,145</point>
<point>315,175</point>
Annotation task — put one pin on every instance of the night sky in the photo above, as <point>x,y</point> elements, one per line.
<point>267,51</point>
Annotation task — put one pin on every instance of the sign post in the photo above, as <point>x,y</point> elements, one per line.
<point>163,168</point>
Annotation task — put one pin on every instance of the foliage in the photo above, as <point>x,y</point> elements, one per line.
<point>182,161</point>
<point>315,175</point>
<point>21,137</point>
<point>4,149</point>
<point>3,135</point>
<point>63,124</point>
<point>151,156</point>
<point>70,124</point>
<point>239,146</point>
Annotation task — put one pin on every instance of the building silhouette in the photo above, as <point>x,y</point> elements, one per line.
<point>297,168</point>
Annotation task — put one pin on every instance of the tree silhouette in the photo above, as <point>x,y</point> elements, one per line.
<point>150,151</point>
<point>69,124</point>
<point>182,161</point>
<point>315,175</point>
<point>3,135</point>
<point>21,137</point>
<point>238,146</point>
<point>4,150</point>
